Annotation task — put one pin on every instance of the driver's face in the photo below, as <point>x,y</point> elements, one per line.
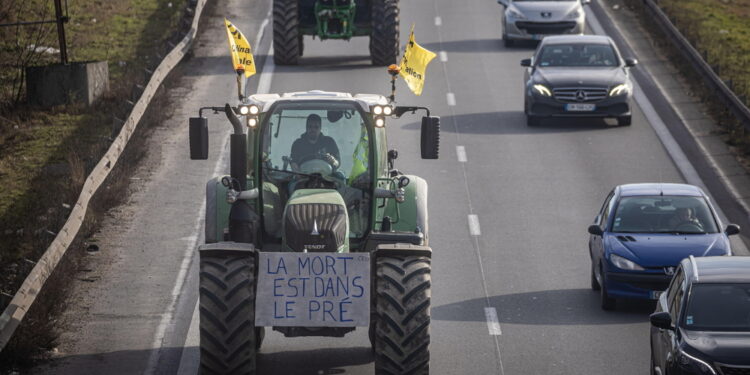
<point>313,130</point>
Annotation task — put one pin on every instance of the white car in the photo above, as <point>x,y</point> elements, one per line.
<point>535,19</point>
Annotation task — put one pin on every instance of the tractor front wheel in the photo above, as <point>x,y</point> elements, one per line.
<point>287,40</point>
<point>227,314</point>
<point>402,324</point>
<point>384,42</point>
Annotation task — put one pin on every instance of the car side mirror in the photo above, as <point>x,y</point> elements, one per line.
<point>526,62</point>
<point>198,138</point>
<point>503,2</point>
<point>595,230</point>
<point>732,229</point>
<point>585,2</point>
<point>430,137</point>
<point>631,62</point>
<point>661,320</point>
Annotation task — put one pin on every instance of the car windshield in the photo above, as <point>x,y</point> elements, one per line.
<point>664,214</point>
<point>315,145</point>
<point>577,54</point>
<point>718,307</point>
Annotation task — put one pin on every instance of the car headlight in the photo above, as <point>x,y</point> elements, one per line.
<point>542,90</point>
<point>574,14</point>
<point>515,14</point>
<point>619,90</point>
<point>625,264</point>
<point>690,362</point>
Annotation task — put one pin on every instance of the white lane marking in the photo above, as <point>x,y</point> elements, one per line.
<point>451,99</point>
<point>474,225</point>
<point>191,355</point>
<point>673,148</point>
<point>461,153</point>
<point>438,21</point>
<point>493,325</point>
<point>443,56</point>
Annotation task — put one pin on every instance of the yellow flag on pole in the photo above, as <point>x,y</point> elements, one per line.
<point>242,54</point>
<point>414,64</point>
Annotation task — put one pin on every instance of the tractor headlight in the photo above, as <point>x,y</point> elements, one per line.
<point>244,109</point>
<point>379,122</point>
<point>378,110</point>
<point>252,121</point>
<point>625,264</point>
<point>387,110</point>
<point>382,110</point>
<point>254,109</point>
<point>542,90</point>
<point>619,90</point>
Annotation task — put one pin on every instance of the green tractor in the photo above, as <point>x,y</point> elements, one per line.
<point>335,19</point>
<point>314,238</point>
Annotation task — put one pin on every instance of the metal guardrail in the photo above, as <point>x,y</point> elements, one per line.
<point>26,295</point>
<point>725,94</point>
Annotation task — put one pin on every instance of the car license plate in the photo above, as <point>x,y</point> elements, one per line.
<point>580,107</point>
<point>655,294</point>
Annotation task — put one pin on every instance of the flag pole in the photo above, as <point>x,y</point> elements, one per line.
<point>240,71</point>
<point>393,70</point>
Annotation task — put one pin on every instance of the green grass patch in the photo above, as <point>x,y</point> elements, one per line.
<point>720,30</point>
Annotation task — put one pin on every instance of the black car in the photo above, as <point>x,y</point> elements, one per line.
<point>578,76</point>
<point>702,322</point>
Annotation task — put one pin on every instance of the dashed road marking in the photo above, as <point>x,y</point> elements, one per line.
<point>451,99</point>
<point>461,153</point>
<point>474,225</point>
<point>493,325</point>
<point>438,21</point>
<point>443,56</point>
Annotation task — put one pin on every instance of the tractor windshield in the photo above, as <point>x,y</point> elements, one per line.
<point>315,145</point>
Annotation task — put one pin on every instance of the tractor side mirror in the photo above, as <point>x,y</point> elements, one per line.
<point>430,138</point>
<point>526,62</point>
<point>198,138</point>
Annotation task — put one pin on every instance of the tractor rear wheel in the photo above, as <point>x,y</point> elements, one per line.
<point>402,327</point>
<point>384,42</point>
<point>227,314</point>
<point>286,36</point>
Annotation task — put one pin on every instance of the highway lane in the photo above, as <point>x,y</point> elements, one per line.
<point>532,191</point>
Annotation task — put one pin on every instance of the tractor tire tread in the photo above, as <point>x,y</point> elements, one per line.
<point>384,38</point>
<point>286,36</point>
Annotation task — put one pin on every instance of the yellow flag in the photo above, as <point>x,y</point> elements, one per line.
<point>242,54</point>
<point>414,64</point>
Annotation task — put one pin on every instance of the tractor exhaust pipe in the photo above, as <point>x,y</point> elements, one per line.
<point>237,150</point>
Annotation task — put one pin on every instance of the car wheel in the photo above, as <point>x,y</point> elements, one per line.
<point>594,282</point>
<point>532,120</point>
<point>607,302</point>
<point>624,121</point>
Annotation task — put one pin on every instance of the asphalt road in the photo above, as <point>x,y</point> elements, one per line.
<point>528,192</point>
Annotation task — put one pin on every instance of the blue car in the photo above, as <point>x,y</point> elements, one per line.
<point>643,231</point>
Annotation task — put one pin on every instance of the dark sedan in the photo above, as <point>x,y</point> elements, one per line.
<point>578,76</point>
<point>702,322</point>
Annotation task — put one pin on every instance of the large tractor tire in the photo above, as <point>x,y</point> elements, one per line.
<point>384,42</point>
<point>287,41</point>
<point>227,313</point>
<point>402,328</point>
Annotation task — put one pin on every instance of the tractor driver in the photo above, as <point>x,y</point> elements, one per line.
<point>312,144</point>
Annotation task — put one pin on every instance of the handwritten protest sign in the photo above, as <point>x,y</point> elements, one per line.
<point>313,289</point>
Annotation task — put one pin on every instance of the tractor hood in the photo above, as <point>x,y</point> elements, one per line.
<point>315,220</point>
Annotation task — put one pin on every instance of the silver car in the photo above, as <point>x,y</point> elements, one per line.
<point>534,19</point>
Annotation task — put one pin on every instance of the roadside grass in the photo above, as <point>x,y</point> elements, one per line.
<point>720,31</point>
<point>46,153</point>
